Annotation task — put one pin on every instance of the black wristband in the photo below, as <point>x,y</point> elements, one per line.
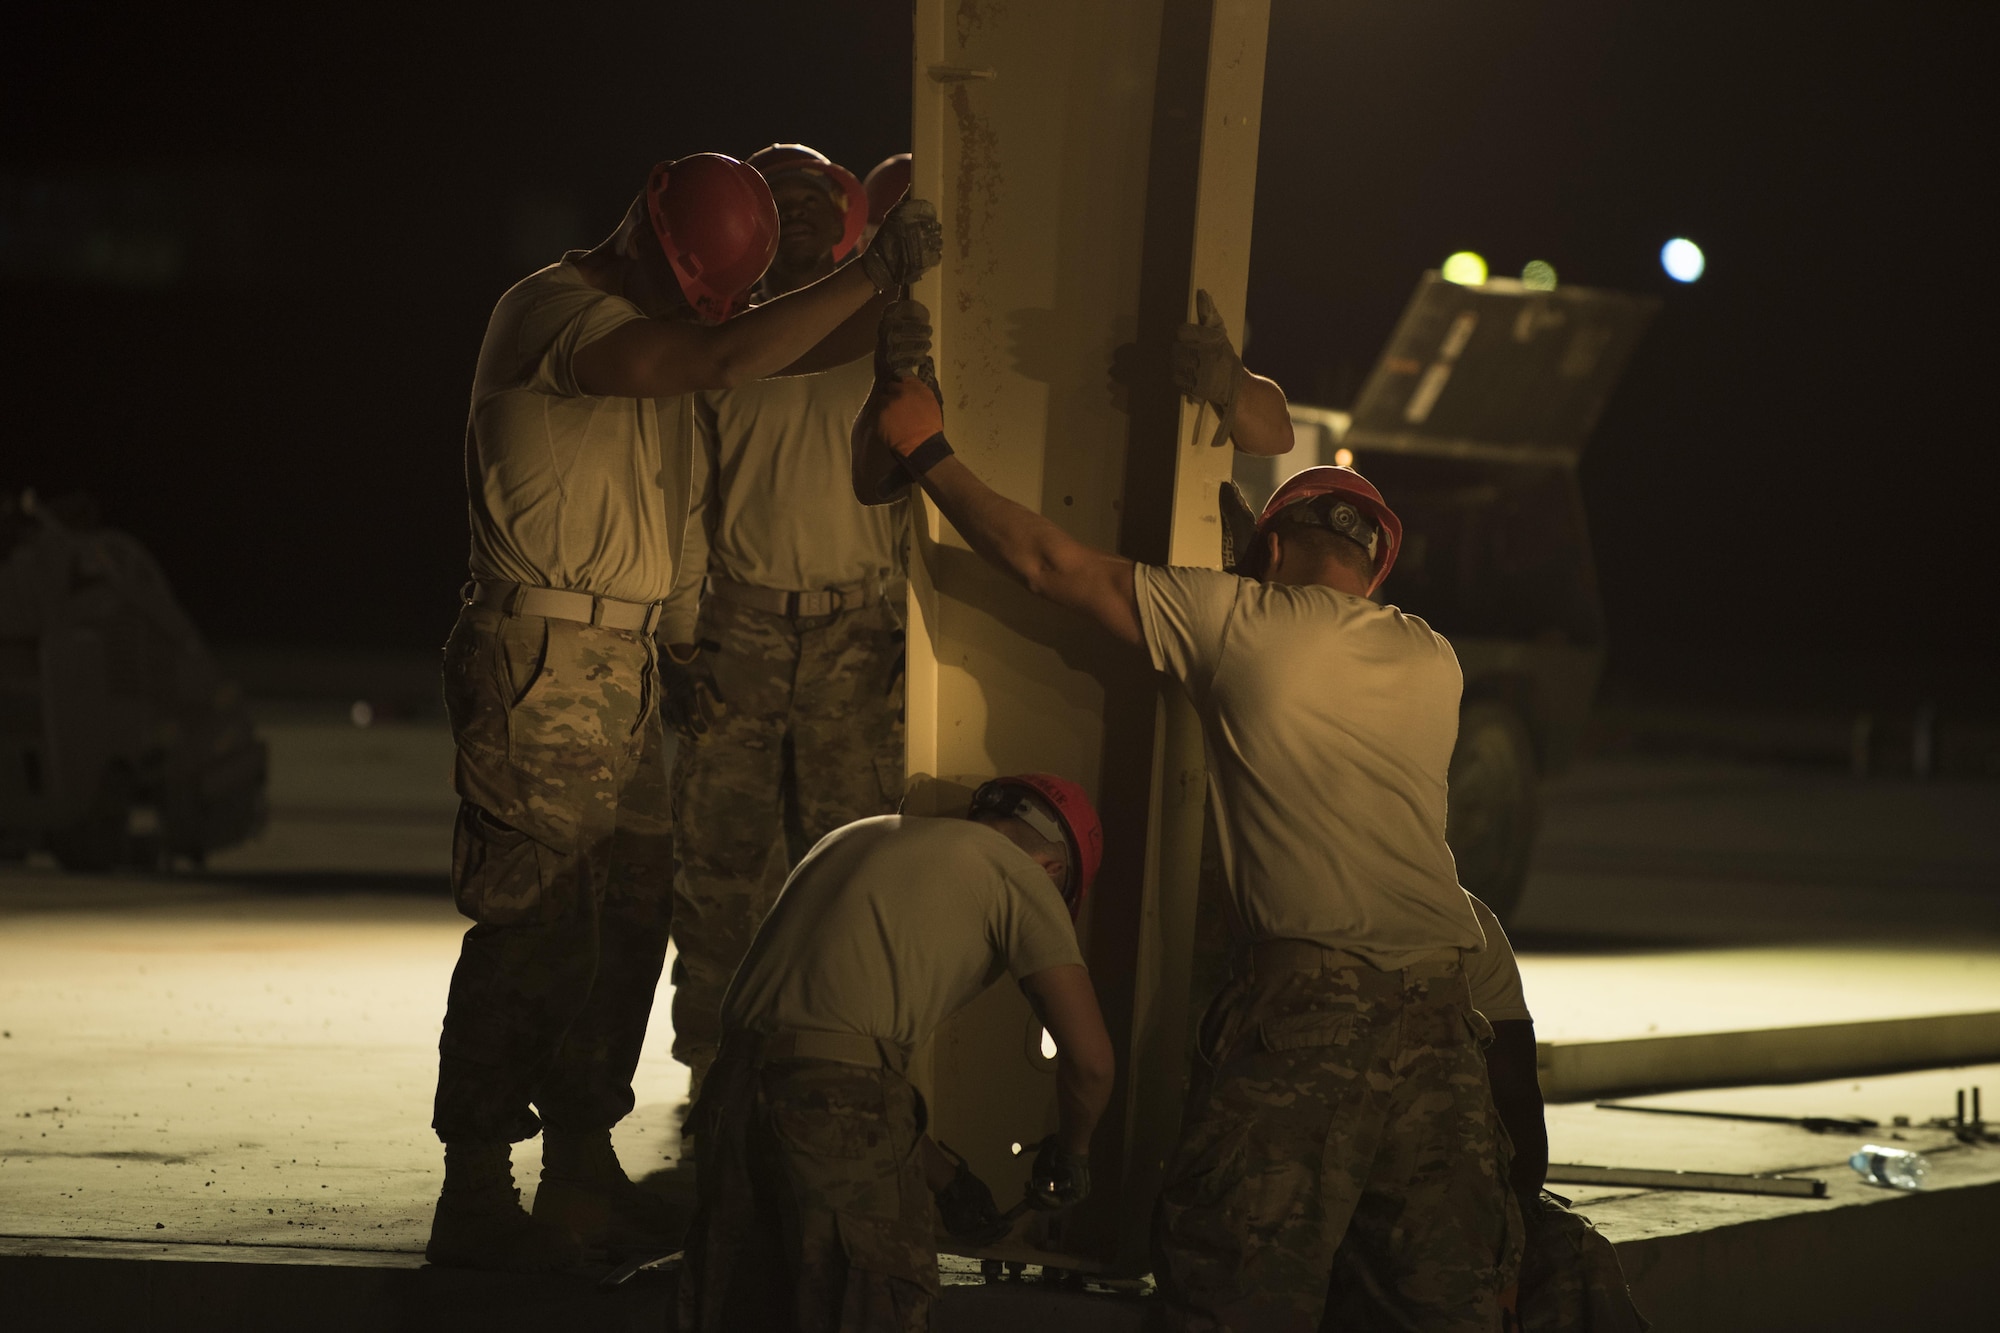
<point>927,455</point>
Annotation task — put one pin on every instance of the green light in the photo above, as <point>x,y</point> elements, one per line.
<point>1539,276</point>
<point>1464,268</point>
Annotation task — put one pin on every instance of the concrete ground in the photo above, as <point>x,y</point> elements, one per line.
<point>244,1056</point>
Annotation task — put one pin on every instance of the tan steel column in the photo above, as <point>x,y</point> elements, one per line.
<point>1093,164</point>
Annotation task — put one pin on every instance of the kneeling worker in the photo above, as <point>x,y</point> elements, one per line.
<point>1340,1152</point>
<point>815,1195</point>
<point>1571,1280</point>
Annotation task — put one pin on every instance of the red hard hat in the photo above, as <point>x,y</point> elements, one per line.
<point>886,185</point>
<point>1081,828</point>
<point>718,227</point>
<point>1352,486</point>
<point>785,159</point>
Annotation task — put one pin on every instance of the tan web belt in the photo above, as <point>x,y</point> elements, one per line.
<point>779,602</point>
<point>846,1048</point>
<point>518,599</point>
<point>1268,957</point>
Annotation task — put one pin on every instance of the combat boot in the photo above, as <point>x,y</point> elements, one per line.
<point>586,1192</point>
<point>480,1223</point>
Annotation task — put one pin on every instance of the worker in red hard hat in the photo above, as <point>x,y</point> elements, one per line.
<point>1340,1155</point>
<point>782,675</point>
<point>579,468</point>
<point>816,1181</point>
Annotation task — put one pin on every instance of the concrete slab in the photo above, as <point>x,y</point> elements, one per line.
<point>232,1070</point>
<point>206,1064</point>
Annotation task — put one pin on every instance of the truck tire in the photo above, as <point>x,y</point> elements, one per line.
<point>100,839</point>
<point>1494,805</point>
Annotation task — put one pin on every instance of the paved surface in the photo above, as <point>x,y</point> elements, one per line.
<point>245,1056</point>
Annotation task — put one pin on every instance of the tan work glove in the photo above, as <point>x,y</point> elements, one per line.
<point>908,244</point>
<point>904,411</point>
<point>1206,367</point>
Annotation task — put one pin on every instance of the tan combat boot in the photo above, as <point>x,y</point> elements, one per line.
<point>586,1192</point>
<point>480,1223</point>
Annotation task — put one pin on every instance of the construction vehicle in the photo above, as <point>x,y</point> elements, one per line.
<point>1472,423</point>
<point>121,744</point>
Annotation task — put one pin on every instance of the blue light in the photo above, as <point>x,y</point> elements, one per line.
<point>1682,259</point>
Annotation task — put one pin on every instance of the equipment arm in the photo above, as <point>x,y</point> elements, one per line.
<point>1066,1004</point>
<point>1517,1096</point>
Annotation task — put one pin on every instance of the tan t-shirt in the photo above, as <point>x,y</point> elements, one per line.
<point>782,513</point>
<point>1329,724</point>
<point>892,924</point>
<point>563,489</point>
<point>1493,974</point>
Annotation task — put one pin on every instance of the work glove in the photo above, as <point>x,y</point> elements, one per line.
<point>1060,1179</point>
<point>909,244</point>
<point>966,1207</point>
<point>1239,527</point>
<point>903,345</point>
<point>1206,367</point>
<point>904,410</point>
<point>688,692</point>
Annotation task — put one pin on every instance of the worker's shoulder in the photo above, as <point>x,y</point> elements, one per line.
<point>557,293</point>
<point>1414,628</point>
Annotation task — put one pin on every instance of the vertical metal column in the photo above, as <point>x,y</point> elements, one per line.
<point>1093,165</point>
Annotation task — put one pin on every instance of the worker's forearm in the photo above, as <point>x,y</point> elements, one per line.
<point>1083,1090</point>
<point>851,340</point>
<point>770,337</point>
<point>1263,424</point>
<point>938,1169</point>
<point>1011,535</point>
<point>1526,1127</point>
<point>1517,1097</point>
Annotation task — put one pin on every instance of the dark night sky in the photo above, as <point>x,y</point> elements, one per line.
<point>246,264</point>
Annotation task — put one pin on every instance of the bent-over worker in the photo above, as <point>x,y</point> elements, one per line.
<point>815,1179</point>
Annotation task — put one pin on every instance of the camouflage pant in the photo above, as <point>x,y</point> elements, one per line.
<point>823,682</point>
<point>813,1213</point>
<point>1571,1280</point>
<point>1340,1157</point>
<point>563,858</point>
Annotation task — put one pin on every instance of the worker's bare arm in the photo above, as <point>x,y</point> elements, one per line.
<point>1517,1096</point>
<point>1263,424</point>
<point>660,358</point>
<point>853,339</point>
<point>1066,1004</point>
<point>1047,560</point>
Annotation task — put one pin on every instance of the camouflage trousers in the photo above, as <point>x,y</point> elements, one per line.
<point>1341,1158</point>
<point>813,1215</point>
<point>1571,1280</point>
<point>563,859</point>
<point>828,685</point>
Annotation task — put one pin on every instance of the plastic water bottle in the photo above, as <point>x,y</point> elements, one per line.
<point>1898,1168</point>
